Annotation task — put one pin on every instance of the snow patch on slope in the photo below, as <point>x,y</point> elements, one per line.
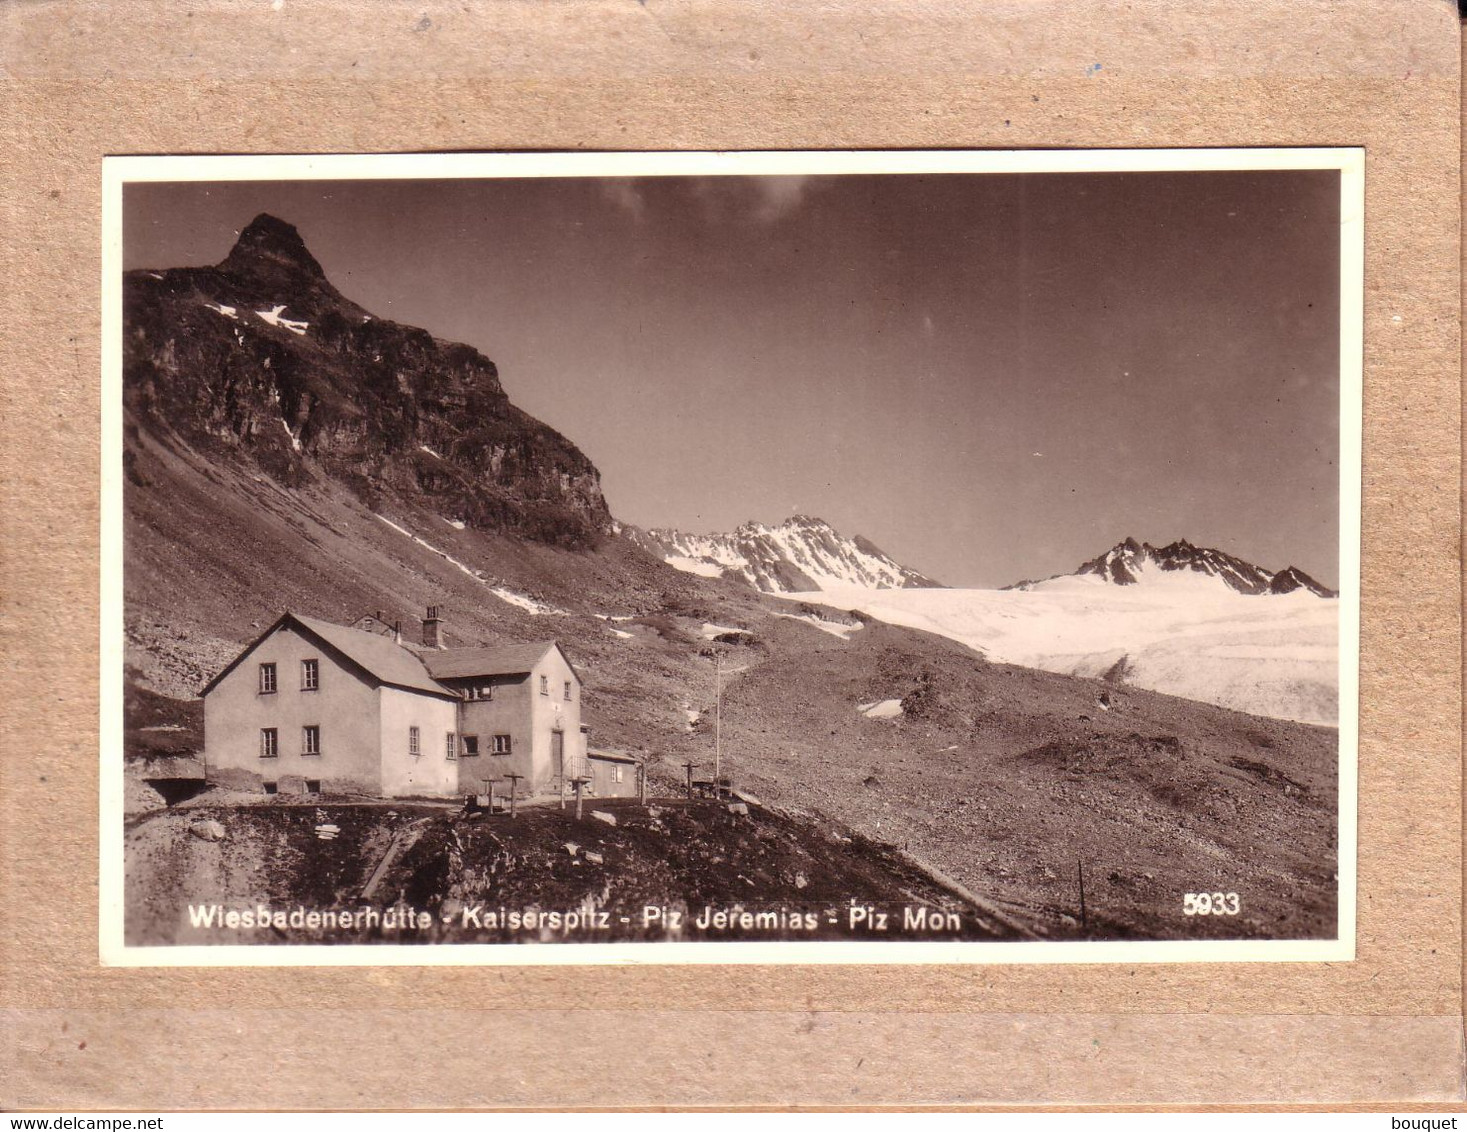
<point>274,317</point>
<point>699,566</point>
<point>469,570</point>
<point>834,628</point>
<point>529,604</point>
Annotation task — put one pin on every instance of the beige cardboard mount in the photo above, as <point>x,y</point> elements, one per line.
<point>79,81</point>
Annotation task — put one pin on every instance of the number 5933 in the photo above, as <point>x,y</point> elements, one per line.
<point>1210,904</point>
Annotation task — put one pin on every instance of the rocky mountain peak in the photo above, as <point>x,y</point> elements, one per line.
<point>1131,563</point>
<point>268,245</point>
<point>1291,578</point>
<point>793,523</point>
<point>260,359</point>
<point>801,554</point>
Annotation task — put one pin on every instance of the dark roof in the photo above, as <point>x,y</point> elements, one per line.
<point>497,660</point>
<point>610,756</point>
<point>390,663</point>
<point>380,657</point>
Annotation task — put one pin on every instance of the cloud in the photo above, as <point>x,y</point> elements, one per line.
<point>761,200</point>
<point>777,197</point>
<point>626,194</point>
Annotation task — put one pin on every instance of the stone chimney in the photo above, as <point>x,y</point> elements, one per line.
<point>432,629</point>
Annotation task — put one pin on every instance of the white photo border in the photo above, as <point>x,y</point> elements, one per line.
<point>120,171</point>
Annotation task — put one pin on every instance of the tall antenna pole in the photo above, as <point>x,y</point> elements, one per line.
<point>717,722</point>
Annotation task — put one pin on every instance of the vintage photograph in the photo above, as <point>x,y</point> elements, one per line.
<point>868,557</point>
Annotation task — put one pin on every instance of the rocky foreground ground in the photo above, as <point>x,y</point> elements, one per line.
<point>424,873</point>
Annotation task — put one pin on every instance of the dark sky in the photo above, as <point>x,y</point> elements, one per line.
<point>991,376</point>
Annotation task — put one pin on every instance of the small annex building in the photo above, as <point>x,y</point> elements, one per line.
<point>311,706</point>
<point>612,774</point>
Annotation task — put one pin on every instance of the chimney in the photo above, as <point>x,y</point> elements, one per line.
<point>433,629</point>
<point>397,632</point>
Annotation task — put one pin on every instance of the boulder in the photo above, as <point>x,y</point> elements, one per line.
<point>209,830</point>
<point>173,767</point>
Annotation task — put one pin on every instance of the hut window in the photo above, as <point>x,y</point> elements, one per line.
<point>567,690</point>
<point>545,685</point>
<point>313,786</point>
<point>471,746</point>
<point>311,740</point>
<point>270,787</point>
<point>269,742</point>
<point>414,743</point>
<point>267,679</point>
<point>450,745</point>
<point>501,744</point>
<point>310,675</point>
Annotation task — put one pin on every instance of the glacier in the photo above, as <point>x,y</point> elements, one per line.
<point>1273,655</point>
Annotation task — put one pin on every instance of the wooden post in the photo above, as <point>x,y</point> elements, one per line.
<point>514,782</point>
<point>1084,920</point>
<point>688,766</point>
<point>641,784</point>
<point>578,799</point>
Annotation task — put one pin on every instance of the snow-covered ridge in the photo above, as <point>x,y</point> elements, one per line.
<point>799,554</point>
<point>1182,565</point>
<point>1273,656</point>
